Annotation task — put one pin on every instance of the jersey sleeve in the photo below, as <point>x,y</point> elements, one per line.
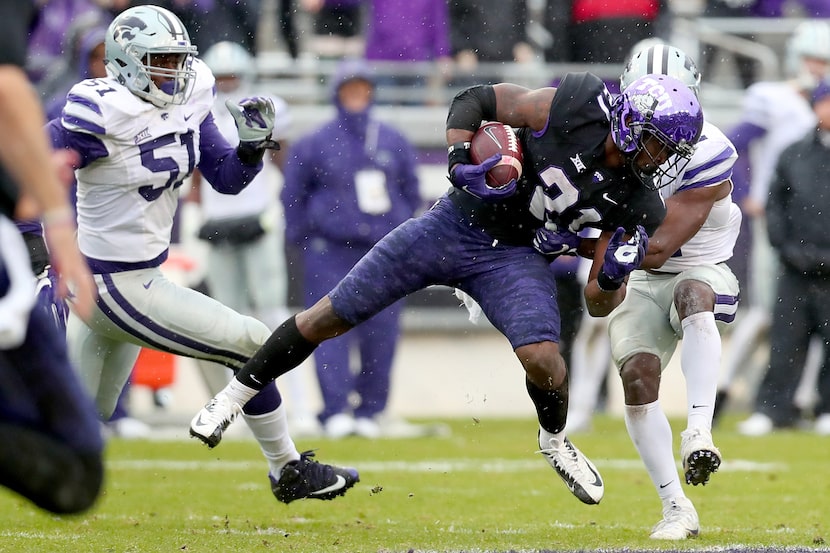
<point>711,163</point>
<point>581,99</point>
<point>83,123</point>
<point>219,163</point>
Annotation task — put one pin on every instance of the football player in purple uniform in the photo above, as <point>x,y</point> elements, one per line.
<point>52,446</point>
<point>588,162</point>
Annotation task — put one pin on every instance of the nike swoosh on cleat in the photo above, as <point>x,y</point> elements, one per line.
<point>597,480</point>
<point>148,284</point>
<point>699,406</point>
<point>663,486</point>
<point>199,421</point>
<point>339,485</point>
<point>188,116</point>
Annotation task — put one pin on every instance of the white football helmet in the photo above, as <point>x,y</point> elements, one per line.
<point>661,59</point>
<point>810,39</point>
<point>230,59</point>
<point>134,38</point>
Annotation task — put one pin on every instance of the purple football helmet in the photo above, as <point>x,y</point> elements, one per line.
<point>662,108</point>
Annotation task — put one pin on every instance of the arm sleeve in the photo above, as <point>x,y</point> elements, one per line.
<point>470,106</point>
<point>219,162</point>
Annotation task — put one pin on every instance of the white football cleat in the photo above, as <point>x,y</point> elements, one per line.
<point>213,419</point>
<point>679,521</point>
<point>699,455</point>
<point>577,471</point>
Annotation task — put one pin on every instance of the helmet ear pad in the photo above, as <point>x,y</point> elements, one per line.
<point>626,126</point>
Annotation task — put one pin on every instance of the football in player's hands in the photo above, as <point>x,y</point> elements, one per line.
<point>497,138</point>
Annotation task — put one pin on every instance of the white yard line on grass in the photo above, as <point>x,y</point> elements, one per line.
<point>436,465</point>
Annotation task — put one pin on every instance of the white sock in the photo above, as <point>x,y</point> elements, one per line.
<point>650,431</point>
<point>545,437</point>
<point>238,392</point>
<point>700,356</point>
<point>271,431</point>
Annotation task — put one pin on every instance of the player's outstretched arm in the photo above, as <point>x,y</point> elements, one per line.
<point>686,211</point>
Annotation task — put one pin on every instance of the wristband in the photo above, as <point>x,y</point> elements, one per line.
<point>459,153</point>
<point>250,153</point>
<point>607,284</point>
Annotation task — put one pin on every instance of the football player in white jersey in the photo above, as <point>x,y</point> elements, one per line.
<point>141,132</point>
<point>683,289</point>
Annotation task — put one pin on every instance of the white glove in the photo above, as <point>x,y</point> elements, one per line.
<point>254,118</point>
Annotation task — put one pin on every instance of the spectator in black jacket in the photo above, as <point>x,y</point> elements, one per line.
<point>799,199</point>
<point>487,31</point>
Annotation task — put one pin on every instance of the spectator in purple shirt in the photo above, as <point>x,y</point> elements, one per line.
<point>403,31</point>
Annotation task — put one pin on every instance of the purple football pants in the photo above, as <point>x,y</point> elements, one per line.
<point>514,285</point>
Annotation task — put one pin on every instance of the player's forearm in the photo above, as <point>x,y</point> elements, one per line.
<point>600,302</point>
<point>24,148</point>
<point>220,164</point>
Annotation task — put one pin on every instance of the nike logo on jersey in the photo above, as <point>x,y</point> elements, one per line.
<point>608,199</point>
<point>148,284</point>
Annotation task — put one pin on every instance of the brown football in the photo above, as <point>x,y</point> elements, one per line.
<point>497,138</point>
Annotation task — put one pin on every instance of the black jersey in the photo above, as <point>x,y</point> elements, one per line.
<point>563,179</point>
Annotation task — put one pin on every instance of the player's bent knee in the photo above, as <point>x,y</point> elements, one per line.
<point>543,364</point>
<point>76,486</point>
<point>640,376</point>
<point>693,296</point>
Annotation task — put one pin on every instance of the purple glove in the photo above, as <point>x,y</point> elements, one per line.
<point>622,257</point>
<point>471,178</point>
<point>555,241</point>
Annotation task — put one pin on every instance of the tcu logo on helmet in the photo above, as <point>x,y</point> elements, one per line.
<point>644,103</point>
<point>656,93</point>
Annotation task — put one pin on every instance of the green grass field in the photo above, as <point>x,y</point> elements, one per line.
<point>482,489</point>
